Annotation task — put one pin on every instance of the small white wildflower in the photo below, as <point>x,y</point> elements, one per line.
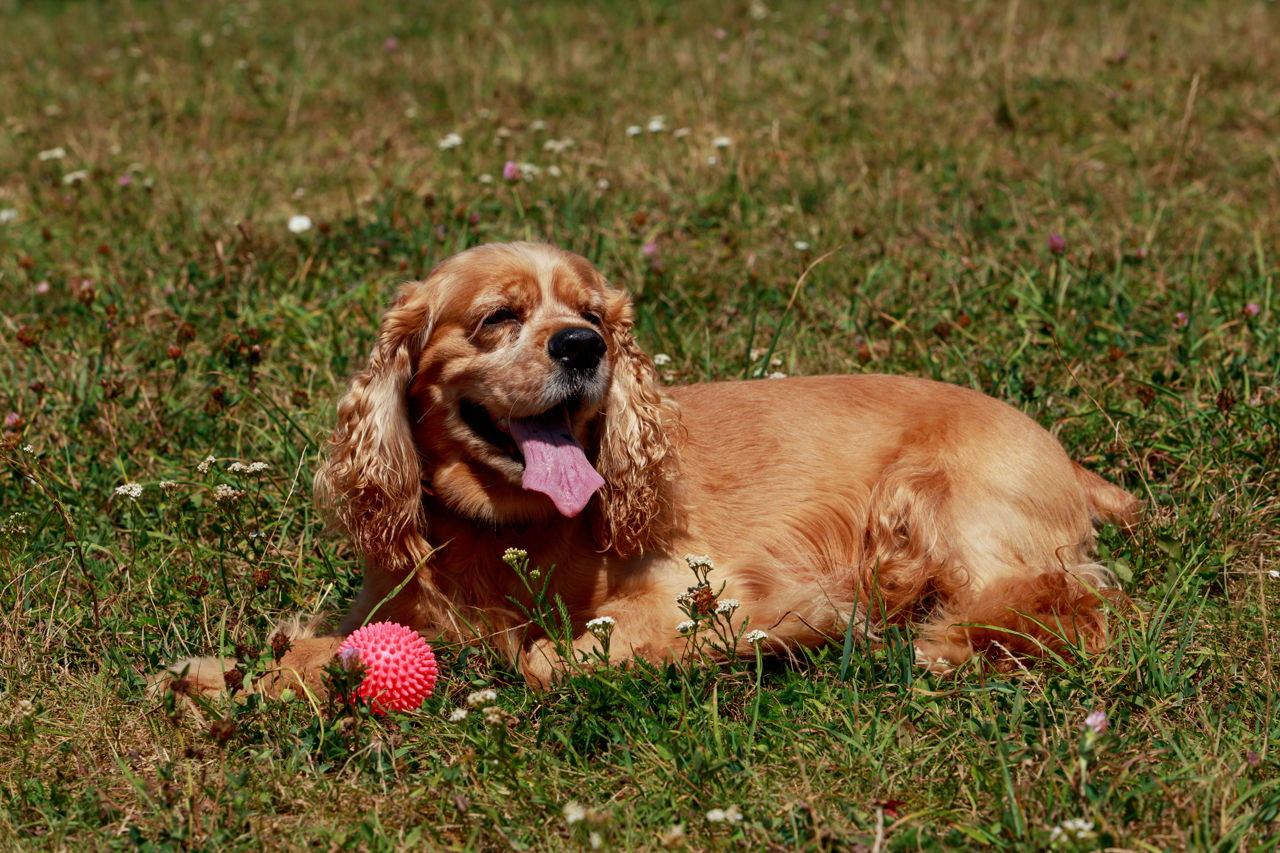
<point>556,146</point>
<point>1076,828</point>
<point>133,491</point>
<point>495,716</point>
<point>730,815</point>
<point>482,697</point>
<point>300,223</point>
<point>722,142</point>
<point>777,374</point>
<point>657,124</point>
<point>486,178</point>
<point>528,170</point>
<point>759,11</point>
<point>251,468</point>
<point>501,134</point>
<point>601,626</point>
<point>684,599</point>
<point>574,812</point>
<point>554,171</point>
<point>537,124</point>
<point>661,360</point>
<point>699,561</point>
<point>801,246</point>
<point>75,177</point>
<point>712,160</point>
<point>681,132</point>
<point>167,485</point>
<point>203,467</point>
<point>8,214</point>
<point>727,605</point>
<point>449,140</point>
<point>457,715</point>
<point>602,184</point>
<point>25,708</point>
<point>685,627</point>
<point>755,636</point>
<point>52,154</point>
<point>28,448</point>
<point>634,130</point>
<point>225,494</point>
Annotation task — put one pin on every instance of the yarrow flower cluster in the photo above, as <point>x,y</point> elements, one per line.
<point>755,636</point>
<point>727,605</point>
<point>448,141</point>
<point>1075,829</point>
<point>482,697</point>
<point>251,468</point>
<point>299,224</point>
<point>697,562</point>
<point>685,627</point>
<point>225,494</point>
<point>133,491</point>
<point>203,467</point>
<point>732,814</point>
<point>457,715</point>
<point>661,360</point>
<point>601,626</point>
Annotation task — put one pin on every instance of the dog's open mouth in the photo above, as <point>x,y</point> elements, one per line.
<point>555,463</point>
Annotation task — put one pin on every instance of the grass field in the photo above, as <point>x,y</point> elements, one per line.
<point>1073,207</point>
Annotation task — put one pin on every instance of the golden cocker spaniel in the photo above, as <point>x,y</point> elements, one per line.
<point>506,404</point>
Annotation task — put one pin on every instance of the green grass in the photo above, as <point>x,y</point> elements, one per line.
<point>158,311</point>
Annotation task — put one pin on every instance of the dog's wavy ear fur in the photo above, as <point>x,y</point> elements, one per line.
<point>637,455</point>
<point>370,480</point>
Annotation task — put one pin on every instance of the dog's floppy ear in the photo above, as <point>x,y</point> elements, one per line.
<point>636,456</point>
<point>370,481</point>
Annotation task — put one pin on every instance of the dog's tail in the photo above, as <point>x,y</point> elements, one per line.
<point>1108,503</point>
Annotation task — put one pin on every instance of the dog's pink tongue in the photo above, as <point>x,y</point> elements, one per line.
<point>554,463</point>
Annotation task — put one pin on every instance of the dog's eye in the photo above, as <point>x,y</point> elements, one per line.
<point>497,318</point>
<point>591,317</point>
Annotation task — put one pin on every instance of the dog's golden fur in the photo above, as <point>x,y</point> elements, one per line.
<point>819,499</point>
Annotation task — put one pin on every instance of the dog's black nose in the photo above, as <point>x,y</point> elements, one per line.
<point>577,347</point>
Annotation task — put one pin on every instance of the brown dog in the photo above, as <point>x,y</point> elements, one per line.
<point>506,404</point>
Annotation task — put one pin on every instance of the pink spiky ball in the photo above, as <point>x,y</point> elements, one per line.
<point>399,667</point>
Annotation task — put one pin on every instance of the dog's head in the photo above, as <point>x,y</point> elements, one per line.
<point>509,389</point>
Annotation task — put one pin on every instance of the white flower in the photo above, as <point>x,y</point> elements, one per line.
<point>801,246</point>
<point>634,130</point>
<point>133,491</point>
<point>1274,574</point>
<point>681,132</point>
<point>28,448</point>
<point>730,815</point>
<point>755,636</point>
<point>727,605</point>
<point>75,177</point>
<point>225,494</point>
<point>449,140</point>
<point>8,214</point>
<point>168,485</point>
<point>601,626</point>
<point>1076,828</point>
<point>777,374</point>
<point>251,468</point>
<point>699,561</point>
<point>712,160</point>
<point>495,716</point>
<point>537,124</point>
<point>482,697</point>
<point>554,171</point>
<point>657,124</point>
<point>602,184</point>
<point>300,223</point>
<point>661,360</point>
<point>574,812</point>
<point>486,178</point>
<point>722,142</point>
<point>556,146</point>
<point>52,154</point>
<point>457,715</point>
<point>685,627</point>
<point>26,708</point>
<point>203,467</point>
